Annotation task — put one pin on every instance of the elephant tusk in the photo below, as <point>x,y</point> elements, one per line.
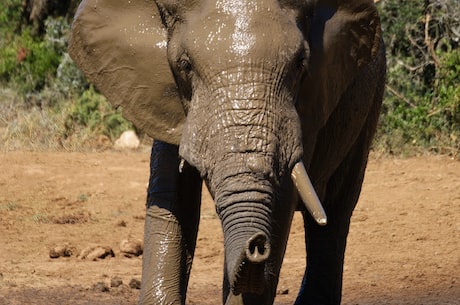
<point>181,165</point>
<point>308,194</point>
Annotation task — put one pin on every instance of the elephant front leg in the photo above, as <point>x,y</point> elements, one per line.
<point>164,262</point>
<point>171,226</point>
<point>322,282</point>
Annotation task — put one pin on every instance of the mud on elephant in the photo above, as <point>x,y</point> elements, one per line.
<point>244,95</point>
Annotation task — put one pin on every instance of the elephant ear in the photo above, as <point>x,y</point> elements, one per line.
<point>344,38</point>
<point>121,48</point>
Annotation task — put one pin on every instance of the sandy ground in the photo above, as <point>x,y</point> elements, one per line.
<point>404,244</point>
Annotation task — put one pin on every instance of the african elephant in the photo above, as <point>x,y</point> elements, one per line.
<point>243,95</point>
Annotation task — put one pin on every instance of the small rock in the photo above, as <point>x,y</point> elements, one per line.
<point>96,252</point>
<point>127,140</point>
<point>116,282</point>
<point>101,287</point>
<point>131,247</point>
<point>61,251</point>
<point>121,223</point>
<point>282,291</point>
<point>135,284</point>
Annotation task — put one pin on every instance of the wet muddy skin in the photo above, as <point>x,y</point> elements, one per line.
<point>240,93</point>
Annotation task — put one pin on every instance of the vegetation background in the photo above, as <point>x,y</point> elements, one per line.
<point>47,104</point>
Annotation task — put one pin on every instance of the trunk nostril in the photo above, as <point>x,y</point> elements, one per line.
<point>258,248</point>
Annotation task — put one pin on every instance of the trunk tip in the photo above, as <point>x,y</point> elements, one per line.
<point>258,248</point>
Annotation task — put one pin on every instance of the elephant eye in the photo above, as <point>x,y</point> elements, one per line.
<point>302,59</point>
<point>303,62</point>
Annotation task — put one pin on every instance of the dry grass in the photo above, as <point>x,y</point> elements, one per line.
<point>27,128</point>
<point>35,128</point>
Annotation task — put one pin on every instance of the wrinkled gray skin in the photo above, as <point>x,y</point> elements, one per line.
<point>264,84</point>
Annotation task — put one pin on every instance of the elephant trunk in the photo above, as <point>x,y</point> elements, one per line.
<point>245,209</point>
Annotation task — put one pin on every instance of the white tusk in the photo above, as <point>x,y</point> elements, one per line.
<point>307,193</point>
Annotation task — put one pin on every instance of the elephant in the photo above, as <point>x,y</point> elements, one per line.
<point>273,104</point>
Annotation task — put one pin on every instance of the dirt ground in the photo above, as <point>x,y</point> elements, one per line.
<point>404,244</point>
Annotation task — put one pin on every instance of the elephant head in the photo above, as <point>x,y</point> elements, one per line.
<point>244,88</point>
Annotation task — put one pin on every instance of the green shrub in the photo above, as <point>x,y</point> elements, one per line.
<point>10,17</point>
<point>45,99</point>
<point>40,69</point>
<point>69,79</point>
<point>27,64</point>
<point>421,106</point>
<point>93,112</point>
<point>446,116</point>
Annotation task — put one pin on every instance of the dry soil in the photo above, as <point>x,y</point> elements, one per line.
<point>403,248</point>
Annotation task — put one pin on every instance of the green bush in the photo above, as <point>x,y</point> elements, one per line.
<point>41,73</point>
<point>27,64</point>
<point>10,17</point>
<point>421,106</point>
<point>32,65</point>
<point>92,111</point>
